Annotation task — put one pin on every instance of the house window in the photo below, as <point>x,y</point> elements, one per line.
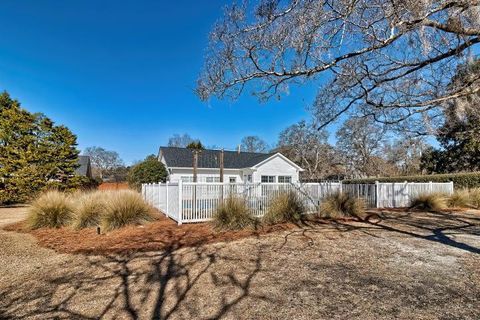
<point>284,179</point>
<point>233,179</point>
<point>268,179</point>
<point>186,178</point>
<point>212,179</point>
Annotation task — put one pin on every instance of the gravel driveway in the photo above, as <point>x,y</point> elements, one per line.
<point>411,266</point>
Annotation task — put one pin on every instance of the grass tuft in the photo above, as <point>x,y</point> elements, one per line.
<point>124,207</point>
<point>474,198</point>
<point>459,199</point>
<point>341,205</point>
<point>285,207</point>
<point>89,208</point>
<point>429,202</point>
<point>233,214</point>
<point>51,209</point>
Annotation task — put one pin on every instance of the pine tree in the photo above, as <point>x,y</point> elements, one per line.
<point>34,152</point>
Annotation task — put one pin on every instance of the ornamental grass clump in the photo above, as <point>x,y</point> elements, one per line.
<point>341,205</point>
<point>51,209</point>
<point>233,214</point>
<point>285,207</point>
<point>123,208</point>
<point>459,199</point>
<point>89,208</point>
<point>433,202</point>
<point>474,198</point>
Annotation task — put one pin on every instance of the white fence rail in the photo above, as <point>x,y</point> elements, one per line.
<point>195,202</point>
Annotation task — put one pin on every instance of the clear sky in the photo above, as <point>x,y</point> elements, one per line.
<point>121,74</point>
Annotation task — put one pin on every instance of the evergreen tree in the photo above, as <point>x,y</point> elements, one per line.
<point>149,170</point>
<point>34,153</point>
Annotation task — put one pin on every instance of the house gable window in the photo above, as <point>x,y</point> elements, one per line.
<point>268,179</point>
<point>284,179</point>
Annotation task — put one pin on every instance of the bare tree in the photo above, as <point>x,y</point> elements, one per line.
<point>308,147</point>
<point>253,144</point>
<point>103,161</point>
<point>361,141</point>
<point>391,60</point>
<point>180,141</point>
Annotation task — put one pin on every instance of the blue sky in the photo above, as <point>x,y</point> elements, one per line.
<point>121,74</point>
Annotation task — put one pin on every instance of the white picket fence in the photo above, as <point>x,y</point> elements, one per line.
<point>196,202</point>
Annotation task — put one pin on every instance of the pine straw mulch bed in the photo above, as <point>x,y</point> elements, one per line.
<point>162,234</point>
<point>166,234</point>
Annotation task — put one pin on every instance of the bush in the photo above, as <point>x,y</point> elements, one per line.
<point>286,206</point>
<point>123,208</point>
<point>89,207</point>
<point>52,209</point>
<point>341,205</point>
<point>233,214</point>
<point>459,199</point>
<point>429,202</point>
<point>149,170</point>
<point>460,180</point>
<point>474,198</point>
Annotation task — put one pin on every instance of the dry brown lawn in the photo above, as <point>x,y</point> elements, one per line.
<point>408,266</point>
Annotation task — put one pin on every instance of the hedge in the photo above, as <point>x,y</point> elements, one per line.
<point>460,180</point>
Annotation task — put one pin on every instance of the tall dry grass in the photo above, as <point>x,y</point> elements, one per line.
<point>459,199</point>
<point>433,202</point>
<point>286,206</point>
<point>233,214</point>
<point>341,205</point>
<point>124,207</point>
<point>89,208</point>
<point>52,209</point>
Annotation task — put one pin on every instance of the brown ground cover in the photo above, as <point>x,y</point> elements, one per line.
<point>162,234</point>
<point>410,265</point>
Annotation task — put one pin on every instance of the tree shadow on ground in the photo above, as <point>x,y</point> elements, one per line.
<point>439,227</point>
<point>142,285</point>
<point>169,284</point>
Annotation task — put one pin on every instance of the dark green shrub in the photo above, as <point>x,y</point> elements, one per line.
<point>460,180</point>
<point>286,206</point>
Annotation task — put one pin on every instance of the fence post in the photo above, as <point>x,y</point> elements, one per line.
<point>166,192</point>
<point>341,187</point>
<point>180,201</point>
<point>377,191</point>
<point>430,187</point>
<point>451,187</point>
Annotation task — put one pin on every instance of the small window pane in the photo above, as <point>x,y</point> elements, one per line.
<point>233,179</point>
<point>268,179</point>
<point>284,179</point>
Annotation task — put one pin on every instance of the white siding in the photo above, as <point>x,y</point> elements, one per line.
<point>202,173</point>
<point>276,166</point>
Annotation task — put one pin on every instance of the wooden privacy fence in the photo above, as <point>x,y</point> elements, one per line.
<point>195,202</point>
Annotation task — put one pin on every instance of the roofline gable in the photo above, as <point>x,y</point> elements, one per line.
<point>278,154</point>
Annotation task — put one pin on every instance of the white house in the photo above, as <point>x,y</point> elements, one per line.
<point>239,167</point>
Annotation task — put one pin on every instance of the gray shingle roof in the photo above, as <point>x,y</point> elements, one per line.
<point>84,168</point>
<point>183,157</point>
